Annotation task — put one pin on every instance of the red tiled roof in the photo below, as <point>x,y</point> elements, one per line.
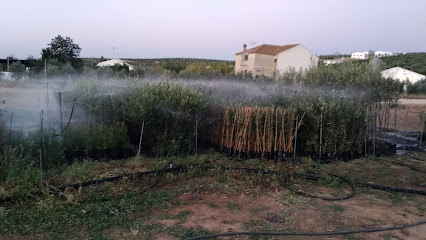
<point>268,49</point>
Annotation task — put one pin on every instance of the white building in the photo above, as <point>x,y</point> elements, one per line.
<point>365,55</point>
<point>402,74</point>
<point>269,60</point>
<point>334,61</point>
<point>380,54</point>
<point>359,55</point>
<point>113,62</point>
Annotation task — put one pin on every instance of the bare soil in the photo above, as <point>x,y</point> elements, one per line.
<point>283,211</point>
<point>408,115</point>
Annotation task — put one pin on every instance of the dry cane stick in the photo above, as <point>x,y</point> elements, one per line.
<point>257,130</point>
<point>249,133</point>
<point>290,133</point>
<point>140,139</point>
<point>276,130</point>
<point>264,130</point>
<point>282,137</point>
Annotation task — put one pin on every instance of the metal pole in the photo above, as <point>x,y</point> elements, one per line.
<point>60,111</point>
<point>421,132</point>
<point>45,68</point>
<point>10,129</point>
<point>320,149</point>
<point>405,128</point>
<point>47,96</point>
<point>196,134</point>
<point>375,130</point>
<point>41,150</point>
<point>140,139</point>
<point>366,133</point>
<point>295,138</point>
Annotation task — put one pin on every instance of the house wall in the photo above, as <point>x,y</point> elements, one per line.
<point>360,55</point>
<point>297,57</point>
<point>263,64</point>
<point>241,65</point>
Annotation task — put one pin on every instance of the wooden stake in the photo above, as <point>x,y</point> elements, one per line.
<point>140,139</point>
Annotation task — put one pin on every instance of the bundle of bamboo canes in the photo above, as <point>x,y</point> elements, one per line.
<point>253,129</point>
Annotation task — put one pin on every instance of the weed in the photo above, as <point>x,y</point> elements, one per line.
<point>336,208</point>
<point>211,204</point>
<point>233,206</point>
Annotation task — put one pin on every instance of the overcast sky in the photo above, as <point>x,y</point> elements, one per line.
<point>214,29</point>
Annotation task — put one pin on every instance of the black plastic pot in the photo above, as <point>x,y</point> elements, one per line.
<point>101,154</point>
<point>114,153</point>
<point>127,152</point>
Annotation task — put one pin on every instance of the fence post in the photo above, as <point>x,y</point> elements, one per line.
<point>41,150</point>
<point>320,149</point>
<point>140,139</point>
<point>295,138</point>
<point>421,132</point>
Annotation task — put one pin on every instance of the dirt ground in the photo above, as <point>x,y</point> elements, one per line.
<point>274,211</point>
<point>408,115</point>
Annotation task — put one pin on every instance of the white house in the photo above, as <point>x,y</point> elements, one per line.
<point>365,55</point>
<point>113,62</point>
<point>380,54</point>
<point>269,60</point>
<point>359,55</point>
<point>334,61</point>
<point>402,74</point>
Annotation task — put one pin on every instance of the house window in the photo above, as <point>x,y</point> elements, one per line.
<point>245,57</point>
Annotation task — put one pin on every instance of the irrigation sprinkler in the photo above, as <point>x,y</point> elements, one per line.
<point>140,139</point>
<point>295,137</point>
<point>421,132</point>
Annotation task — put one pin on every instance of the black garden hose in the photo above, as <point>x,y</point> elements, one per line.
<point>310,234</point>
<point>408,166</point>
<point>415,158</point>
<point>342,180</point>
<point>170,168</point>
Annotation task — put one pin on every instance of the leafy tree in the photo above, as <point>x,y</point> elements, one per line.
<point>64,50</point>
<point>17,68</point>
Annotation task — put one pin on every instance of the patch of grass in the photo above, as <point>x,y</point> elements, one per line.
<point>352,237</point>
<point>211,204</point>
<point>260,209</point>
<point>96,212</point>
<point>233,206</point>
<point>182,233</point>
<point>330,181</point>
<point>257,225</point>
<point>183,216</point>
<point>336,208</point>
<point>389,236</point>
<point>421,206</point>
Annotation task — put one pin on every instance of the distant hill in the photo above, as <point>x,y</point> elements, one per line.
<point>412,61</point>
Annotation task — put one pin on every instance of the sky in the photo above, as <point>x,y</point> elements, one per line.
<point>212,29</point>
